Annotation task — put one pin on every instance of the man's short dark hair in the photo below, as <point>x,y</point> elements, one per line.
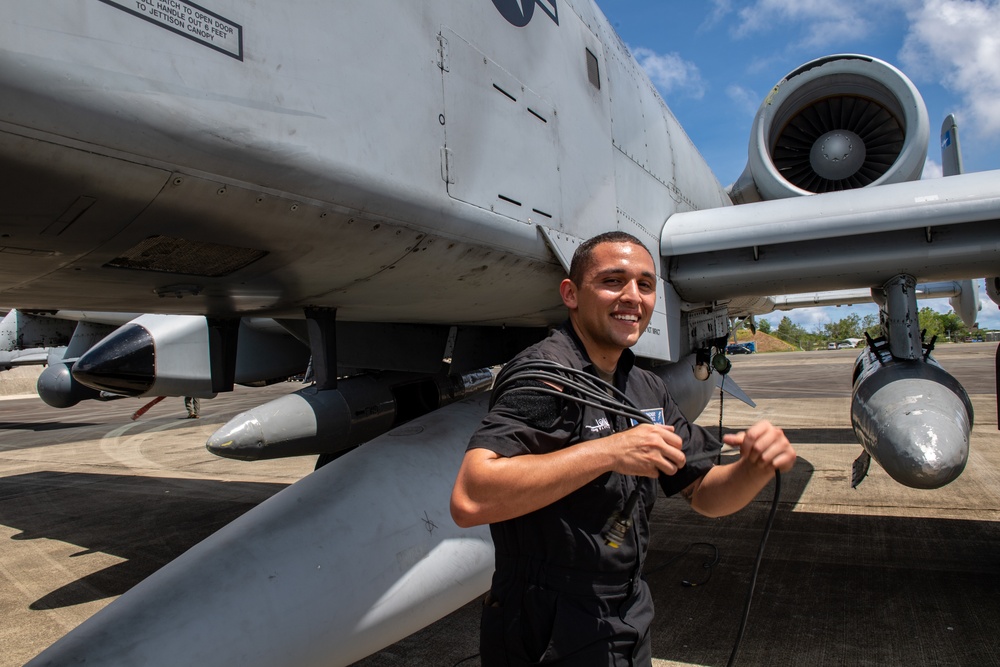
<point>584,256</point>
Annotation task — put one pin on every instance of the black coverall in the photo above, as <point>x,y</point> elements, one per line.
<point>560,595</point>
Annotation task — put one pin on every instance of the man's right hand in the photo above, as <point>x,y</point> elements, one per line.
<point>647,450</point>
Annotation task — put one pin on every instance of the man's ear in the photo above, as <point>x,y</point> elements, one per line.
<point>567,290</point>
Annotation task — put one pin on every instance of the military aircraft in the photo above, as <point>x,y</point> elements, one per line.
<point>411,208</point>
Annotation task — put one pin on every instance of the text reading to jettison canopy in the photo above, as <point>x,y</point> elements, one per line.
<point>189,20</point>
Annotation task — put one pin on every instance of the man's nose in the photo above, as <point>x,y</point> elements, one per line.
<point>630,292</point>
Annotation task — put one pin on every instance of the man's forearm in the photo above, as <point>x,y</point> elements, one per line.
<point>729,488</point>
<point>492,488</point>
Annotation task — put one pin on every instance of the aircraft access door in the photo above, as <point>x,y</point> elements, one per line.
<point>502,139</point>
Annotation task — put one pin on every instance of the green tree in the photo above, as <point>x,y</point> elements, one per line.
<point>764,326</point>
<point>871,326</point>
<point>954,327</point>
<point>848,327</point>
<point>794,334</point>
<point>930,322</point>
<point>943,325</point>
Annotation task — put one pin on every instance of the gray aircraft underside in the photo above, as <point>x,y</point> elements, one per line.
<point>394,190</point>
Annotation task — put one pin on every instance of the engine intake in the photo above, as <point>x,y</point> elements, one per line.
<point>836,123</point>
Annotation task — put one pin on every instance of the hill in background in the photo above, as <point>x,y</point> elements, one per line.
<point>764,342</point>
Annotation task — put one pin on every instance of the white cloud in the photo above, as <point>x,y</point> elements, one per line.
<point>932,169</point>
<point>813,319</point>
<point>744,98</point>
<point>956,43</point>
<point>671,73</point>
<point>822,22</point>
<point>720,9</point>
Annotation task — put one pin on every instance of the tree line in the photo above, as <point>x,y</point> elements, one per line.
<point>946,326</point>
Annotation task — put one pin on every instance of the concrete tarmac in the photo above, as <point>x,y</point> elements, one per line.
<point>92,502</point>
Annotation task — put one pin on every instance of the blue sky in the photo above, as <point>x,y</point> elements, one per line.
<point>714,61</point>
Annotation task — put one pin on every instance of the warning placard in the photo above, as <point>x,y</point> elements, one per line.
<point>190,20</point>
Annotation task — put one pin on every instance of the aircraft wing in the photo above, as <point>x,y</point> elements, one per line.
<point>936,229</point>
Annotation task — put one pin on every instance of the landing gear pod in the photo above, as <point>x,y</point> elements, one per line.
<point>57,388</point>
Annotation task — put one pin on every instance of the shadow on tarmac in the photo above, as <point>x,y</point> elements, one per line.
<point>147,521</point>
<point>833,589</point>
<point>44,426</point>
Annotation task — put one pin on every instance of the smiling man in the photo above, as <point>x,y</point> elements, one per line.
<point>549,473</point>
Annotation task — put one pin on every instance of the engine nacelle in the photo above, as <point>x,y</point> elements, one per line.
<point>966,303</point>
<point>993,289</point>
<point>836,123</point>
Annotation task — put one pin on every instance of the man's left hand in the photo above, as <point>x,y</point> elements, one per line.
<point>764,447</point>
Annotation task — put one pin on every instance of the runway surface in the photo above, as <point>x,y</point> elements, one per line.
<point>92,502</point>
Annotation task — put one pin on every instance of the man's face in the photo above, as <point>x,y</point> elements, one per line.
<point>614,303</point>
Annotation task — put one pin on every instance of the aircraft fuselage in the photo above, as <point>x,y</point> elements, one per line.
<point>280,165</point>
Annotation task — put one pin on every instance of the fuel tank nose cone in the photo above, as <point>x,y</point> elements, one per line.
<point>930,450</point>
<point>123,363</point>
<point>914,419</point>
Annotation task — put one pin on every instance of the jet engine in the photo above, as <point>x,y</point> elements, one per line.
<point>836,123</point>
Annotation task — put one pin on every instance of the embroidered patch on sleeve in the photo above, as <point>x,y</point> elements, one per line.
<point>655,415</point>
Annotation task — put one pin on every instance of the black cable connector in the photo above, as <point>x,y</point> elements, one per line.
<point>620,522</point>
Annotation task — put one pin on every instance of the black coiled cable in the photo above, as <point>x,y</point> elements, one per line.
<point>586,389</point>
<point>578,386</point>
